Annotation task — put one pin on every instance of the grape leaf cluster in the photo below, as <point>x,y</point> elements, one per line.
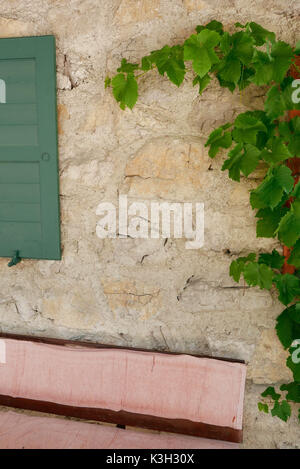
<point>264,138</point>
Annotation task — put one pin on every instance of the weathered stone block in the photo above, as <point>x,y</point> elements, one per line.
<point>131,11</point>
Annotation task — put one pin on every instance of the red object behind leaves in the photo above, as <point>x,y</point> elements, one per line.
<point>293,70</point>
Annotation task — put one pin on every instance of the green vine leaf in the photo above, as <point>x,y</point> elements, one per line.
<point>200,50</point>
<point>240,25</point>
<point>287,89</point>
<point>107,82</point>
<point>146,63</point>
<point>263,407</point>
<point>283,176</point>
<point>169,60</point>
<point>275,104</point>
<point>242,47</point>
<point>288,286</point>
<point>288,326</point>
<point>296,191</point>
<point>233,163</point>
<point>269,221</point>
<point>242,159</point>
<point>258,275</point>
<point>202,82</point>
<point>225,43</point>
<point>246,128</point>
<point>246,77</point>
<point>237,266</point>
<point>294,367</point>
<point>260,34</point>
<point>270,192</point>
<point>230,72</point>
<point>127,67</point>
<point>263,66</point>
<point>289,226</point>
<point>294,258</point>
<point>213,26</point>
<point>282,53</point>
<point>281,410</point>
<point>279,99</point>
<point>125,90</point>
<point>274,260</point>
<point>270,392</point>
<point>219,138</point>
<point>291,133</point>
<point>251,159</point>
<point>293,391</point>
<point>278,152</point>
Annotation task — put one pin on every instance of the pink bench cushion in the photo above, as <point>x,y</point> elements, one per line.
<point>162,385</point>
<point>19,431</point>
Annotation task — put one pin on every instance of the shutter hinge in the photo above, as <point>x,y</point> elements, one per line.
<point>15,259</point>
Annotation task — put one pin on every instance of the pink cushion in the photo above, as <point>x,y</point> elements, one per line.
<point>30,432</point>
<point>171,386</point>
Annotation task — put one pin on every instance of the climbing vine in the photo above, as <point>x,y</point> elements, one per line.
<point>251,55</point>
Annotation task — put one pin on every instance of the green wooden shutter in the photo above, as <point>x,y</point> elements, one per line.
<point>29,198</point>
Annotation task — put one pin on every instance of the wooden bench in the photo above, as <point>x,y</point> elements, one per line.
<point>198,398</point>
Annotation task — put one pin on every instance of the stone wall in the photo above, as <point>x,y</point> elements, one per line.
<point>148,293</point>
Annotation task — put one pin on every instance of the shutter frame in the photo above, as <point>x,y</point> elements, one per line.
<point>33,228</point>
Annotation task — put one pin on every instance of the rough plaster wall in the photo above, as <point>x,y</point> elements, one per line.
<point>148,293</point>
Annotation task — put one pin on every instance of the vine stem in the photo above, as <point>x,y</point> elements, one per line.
<point>144,73</point>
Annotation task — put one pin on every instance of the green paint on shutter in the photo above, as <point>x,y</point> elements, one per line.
<point>29,198</point>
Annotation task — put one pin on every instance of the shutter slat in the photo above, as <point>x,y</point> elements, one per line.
<point>19,212</point>
<point>16,172</point>
<point>21,231</point>
<point>18,135</point>
<point>18,114</point>
<point>28,193</point>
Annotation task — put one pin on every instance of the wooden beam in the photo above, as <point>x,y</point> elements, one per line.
<point>76,343</point>
<point>150,422</point>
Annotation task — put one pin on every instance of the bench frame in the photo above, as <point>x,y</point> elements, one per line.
<point>120,418</point>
